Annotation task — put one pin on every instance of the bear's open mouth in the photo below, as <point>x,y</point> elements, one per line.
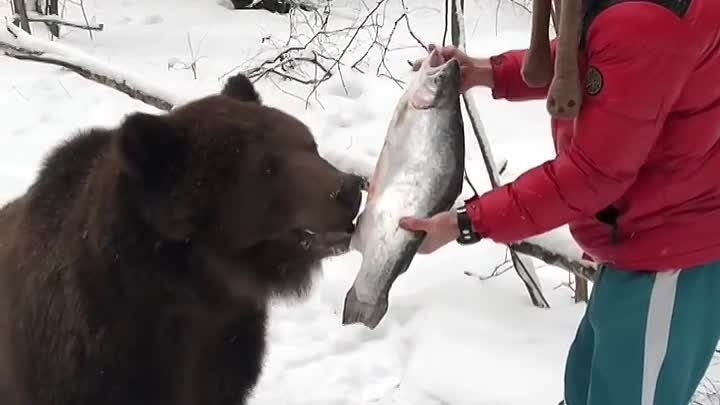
<point>329,243</point>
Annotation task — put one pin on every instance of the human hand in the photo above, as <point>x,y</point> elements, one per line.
<point>473,71</point>
<point>440,230</point>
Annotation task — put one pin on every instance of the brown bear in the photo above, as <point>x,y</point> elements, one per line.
<point>137,268</point>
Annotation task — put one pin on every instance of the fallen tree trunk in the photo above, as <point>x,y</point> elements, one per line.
<point>580,268</point>
<point>274,6</point>
<point>21,15</point>
<point>27,47</point>
<point>116,84</point>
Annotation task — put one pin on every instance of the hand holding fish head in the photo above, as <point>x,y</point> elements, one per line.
<point>469,67</point>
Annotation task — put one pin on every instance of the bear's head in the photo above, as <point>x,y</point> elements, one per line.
<point>242,184</point>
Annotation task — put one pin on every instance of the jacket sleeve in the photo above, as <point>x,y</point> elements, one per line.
<point>614,133</point>
<point>508,83</point>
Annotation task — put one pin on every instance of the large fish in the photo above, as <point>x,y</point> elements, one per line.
<point>419,173</point>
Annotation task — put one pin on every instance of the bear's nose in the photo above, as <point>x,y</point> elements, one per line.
<point>350,192</point>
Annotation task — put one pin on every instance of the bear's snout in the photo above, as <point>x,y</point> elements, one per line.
<point>350,193</point>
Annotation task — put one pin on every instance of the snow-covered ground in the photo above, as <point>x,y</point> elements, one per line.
<point>447,338</point>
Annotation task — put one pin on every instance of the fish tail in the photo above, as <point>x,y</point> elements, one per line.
<point>368,314</point>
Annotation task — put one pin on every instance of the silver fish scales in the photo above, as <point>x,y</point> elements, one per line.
<point>419,173</point>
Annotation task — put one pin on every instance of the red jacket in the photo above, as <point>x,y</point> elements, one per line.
<point>646,145</point>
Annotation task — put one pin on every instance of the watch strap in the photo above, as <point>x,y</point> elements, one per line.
<point>467,234</point>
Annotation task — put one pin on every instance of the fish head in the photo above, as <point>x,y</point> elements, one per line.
<point>436,83</point>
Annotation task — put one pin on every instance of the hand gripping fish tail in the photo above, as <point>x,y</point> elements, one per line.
<point>419,173</point>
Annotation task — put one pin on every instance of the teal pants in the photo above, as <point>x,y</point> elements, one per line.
<point>646,338</point>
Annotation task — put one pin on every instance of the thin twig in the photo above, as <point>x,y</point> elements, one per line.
<point>318,51</point>
<point>337,61</point>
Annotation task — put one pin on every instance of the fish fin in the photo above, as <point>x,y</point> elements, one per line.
<point>379,166</point>
<point>422,98</point>
<point>368,314</point>
<point>435,58</point>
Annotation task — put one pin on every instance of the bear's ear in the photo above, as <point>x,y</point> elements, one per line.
<point>239,87</point>
<point>153,152</point>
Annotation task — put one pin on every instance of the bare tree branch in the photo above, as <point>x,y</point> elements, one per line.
<point>53,19</point>
<point>311,56</point>
<point>581,268</point>
<point>81,5</point>
<point>345,49</point>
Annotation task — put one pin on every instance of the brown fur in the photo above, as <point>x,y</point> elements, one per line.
<point>138,267</point>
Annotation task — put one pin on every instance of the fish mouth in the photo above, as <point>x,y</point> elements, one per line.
<point>439,85</point>
<point>436,65</point>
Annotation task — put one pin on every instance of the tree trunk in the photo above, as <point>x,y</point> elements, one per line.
<point>21,12</point>
<point>581,289</point>
<point>274,6</point>
<point>51,8</point>
<point>454,25</point>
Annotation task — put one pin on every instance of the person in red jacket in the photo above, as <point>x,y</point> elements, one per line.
<point>635,106</point>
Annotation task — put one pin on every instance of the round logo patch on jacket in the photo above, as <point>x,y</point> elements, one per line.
<point>593,81</point>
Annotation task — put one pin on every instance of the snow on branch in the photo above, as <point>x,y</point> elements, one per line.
<point>24,46</point>
<point>555,248</point>
<point>549,255</point>
<point>54,19</point>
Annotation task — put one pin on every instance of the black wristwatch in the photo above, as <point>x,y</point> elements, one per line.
<point>467,235</point>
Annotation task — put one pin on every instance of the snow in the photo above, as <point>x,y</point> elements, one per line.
<point>447,338</point>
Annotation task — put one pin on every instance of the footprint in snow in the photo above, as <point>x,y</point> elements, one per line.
<point>153,19</point>
<point>349,86</point>
<point>344,112</point>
